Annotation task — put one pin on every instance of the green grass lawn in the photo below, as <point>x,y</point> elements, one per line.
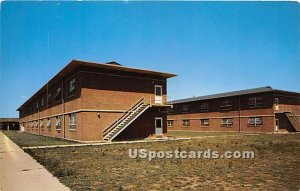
<point>108,167</point>
<point>24,139</point>
<point>185,134</point>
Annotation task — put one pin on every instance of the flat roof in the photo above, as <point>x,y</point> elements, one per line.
<point>116,66</point>
<point>9,120</point>
<point>74,64</point>
<point>230,94</point>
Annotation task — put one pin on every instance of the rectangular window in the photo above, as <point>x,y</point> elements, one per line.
<point>276,101</point>
<point>204,122</point>
<point>72,121</point>
<point>49,99</point>
<point>42,103</point>
<point>170,110</point>
<point>158,90</point>
<point>255,102</point>
<point>58,95</point>
<point>58,123</point>
<point>227,122</point>
<point>72,87</point>
<point>170,123</point>
<point>158,122</point>
<point>255,121</point>
<point>185,108</point>
<point>226,105</point>
<point>36,124</point>
<point>42,123</point>
<point>204,107</point>
<point>186,123</point>
<point>49,124</point>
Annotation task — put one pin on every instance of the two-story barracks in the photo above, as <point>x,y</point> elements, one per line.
<point>261,109</point>
<point>90,101</point>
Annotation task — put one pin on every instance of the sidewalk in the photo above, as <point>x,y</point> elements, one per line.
<point>20,172</point>
<point>106,143</point>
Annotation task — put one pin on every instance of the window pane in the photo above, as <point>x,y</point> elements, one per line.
<point>276,101</point>
<point>72,86</point>
<point>185,108</point>
<point>158,123</point>
<point>158,91</point>
<point>170,122</point>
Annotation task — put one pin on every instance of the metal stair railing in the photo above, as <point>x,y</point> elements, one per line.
<point>122,117</point>
<point>120,127</point>
<point>296,126</point>
<point>293,120</point>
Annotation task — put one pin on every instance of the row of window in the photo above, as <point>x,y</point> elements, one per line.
<point>58,122</point>
<point>227,105</point>
<point>226,122</point>
<point>48,100</point>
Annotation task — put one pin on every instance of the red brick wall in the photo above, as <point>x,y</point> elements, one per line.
<point>108,95</point>
<point>215,113</point>
<point>100,91</point>
<point>93,126</point>
<point>144,126</point>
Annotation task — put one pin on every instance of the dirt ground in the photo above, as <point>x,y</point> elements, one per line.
<point>276,165</point>
<point>191,134</point>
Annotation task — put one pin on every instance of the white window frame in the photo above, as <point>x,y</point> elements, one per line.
<point>72,86</point>
<point>49,99</point>
<point>276,101</point>
<point>161,90</point>
<point>227,122</point>
<point>58,122</point>
<point>58,92</point>
<point>204,122</point>
<point>170,123</point>
<point>204,107</point>
<point>72,122</point>
<point>42,123</point>
<point>49,122</point>
<point>36,123</point>
<point>186,122</point>
<point>226,105</point>
<point>255,121</point>
<point>185,108</point>
<point>257,102</point>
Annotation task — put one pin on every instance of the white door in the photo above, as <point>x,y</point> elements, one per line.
<point>276,104</point>
<point>158,94</point>
<point>277,125</point>
<point>158,126</point>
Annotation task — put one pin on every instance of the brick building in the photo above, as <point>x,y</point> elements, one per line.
<point>9,124</point>
<point>91,101</point>
<point>253,110</point>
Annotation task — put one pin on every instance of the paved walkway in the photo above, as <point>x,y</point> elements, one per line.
<point>20,172</point>
<point>106,143</point>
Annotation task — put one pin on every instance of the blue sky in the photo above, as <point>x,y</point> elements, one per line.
<point>213,46</point>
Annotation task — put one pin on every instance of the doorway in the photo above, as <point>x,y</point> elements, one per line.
<point>158,94</point>
<point>158,125</point>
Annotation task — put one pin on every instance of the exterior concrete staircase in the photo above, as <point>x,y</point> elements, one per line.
<point>125,120</point>
<point>293,120</point>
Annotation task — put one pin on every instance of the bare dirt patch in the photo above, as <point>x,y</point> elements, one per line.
<point>108,167</point>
